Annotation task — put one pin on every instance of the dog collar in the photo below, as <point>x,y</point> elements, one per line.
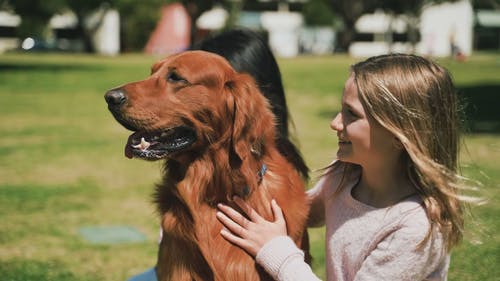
<point>260,176</point>
<point>261,173</point>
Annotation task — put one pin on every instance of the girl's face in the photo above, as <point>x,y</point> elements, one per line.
<point>362,140</point>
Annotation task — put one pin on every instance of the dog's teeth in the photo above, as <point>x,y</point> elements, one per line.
<point>143,145</point>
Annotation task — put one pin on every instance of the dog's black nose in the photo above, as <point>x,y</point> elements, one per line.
<point>115,97</point>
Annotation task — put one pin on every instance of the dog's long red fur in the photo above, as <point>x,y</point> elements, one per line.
<point>234,137</point>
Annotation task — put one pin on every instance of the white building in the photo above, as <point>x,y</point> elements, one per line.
<point>444,25</point>
<point>441,27</point>
<point>10,21</point>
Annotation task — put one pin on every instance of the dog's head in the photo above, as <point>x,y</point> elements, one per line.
<point>192,101</point>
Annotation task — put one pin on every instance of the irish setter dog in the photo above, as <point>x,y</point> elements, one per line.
<point>216,133</point>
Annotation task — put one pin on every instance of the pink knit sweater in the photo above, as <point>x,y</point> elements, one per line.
<point>362,242</point>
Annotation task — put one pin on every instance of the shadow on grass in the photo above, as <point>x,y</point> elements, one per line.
<point>34,270</point>
<point>48,67</point>
<point>482,107</point>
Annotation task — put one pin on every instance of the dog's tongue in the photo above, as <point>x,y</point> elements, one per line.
<point>129,146</point>
<point>128,151</point>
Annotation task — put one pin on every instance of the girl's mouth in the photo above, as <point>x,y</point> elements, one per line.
<point>344,142</point>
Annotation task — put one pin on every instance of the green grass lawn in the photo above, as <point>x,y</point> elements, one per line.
<point>62,166</point>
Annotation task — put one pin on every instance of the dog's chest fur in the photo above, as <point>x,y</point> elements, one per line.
<point>192,247</point>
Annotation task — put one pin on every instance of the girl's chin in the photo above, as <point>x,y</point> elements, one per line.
<point>344,157</point>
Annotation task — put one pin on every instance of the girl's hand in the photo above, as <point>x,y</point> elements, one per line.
<point>251,234</point>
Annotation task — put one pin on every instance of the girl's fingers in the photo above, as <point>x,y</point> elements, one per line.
<point>235,227</point>
<point>233,215</point>
<point>250,235</point>
<point>247,209</point>
<point>277,212</point>
<point>238,241</point>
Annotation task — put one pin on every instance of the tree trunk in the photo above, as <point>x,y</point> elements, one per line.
<point>413,37</point>
<point>346,37</point>
<point>86,38</point>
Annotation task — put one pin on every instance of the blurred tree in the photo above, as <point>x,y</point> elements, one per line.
<point>350,11</point>
<point>197,7</point>
<point>486,4</point>
<point>137,21</point>
<point>318,13</point>
<point>142,17</point>
<point>83,10</point>
<point>35,15</point>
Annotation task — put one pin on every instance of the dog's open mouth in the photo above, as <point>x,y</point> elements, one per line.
<point>159,144</point>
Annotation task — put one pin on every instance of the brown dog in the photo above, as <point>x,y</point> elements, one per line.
<point>216,132</point>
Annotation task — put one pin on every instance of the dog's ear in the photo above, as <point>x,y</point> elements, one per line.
<point>252,119</point>
<point>252,125</point>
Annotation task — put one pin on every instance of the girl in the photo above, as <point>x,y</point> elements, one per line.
<point>389,201</point>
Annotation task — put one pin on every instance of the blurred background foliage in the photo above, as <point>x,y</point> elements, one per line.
<point>140,17</point>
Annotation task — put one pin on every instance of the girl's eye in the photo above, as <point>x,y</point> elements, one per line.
<point>174,77</point>
<point>348,112</point>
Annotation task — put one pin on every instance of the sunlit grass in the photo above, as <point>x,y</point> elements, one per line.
<point>62,165</point>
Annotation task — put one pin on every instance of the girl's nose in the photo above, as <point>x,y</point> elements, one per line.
<point>337,123</point>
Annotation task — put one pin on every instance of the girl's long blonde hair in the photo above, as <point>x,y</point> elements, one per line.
<point>415,99</point>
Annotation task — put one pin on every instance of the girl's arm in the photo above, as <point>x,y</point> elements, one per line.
<point>265,240</point>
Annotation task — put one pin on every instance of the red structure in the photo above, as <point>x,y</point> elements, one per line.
<point>172,33</point>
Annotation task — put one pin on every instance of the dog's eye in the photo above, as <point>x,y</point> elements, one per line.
<point>174,77</point>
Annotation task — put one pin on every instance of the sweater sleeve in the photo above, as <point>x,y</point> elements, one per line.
<point>399,257</point>
<point>284,261</point>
